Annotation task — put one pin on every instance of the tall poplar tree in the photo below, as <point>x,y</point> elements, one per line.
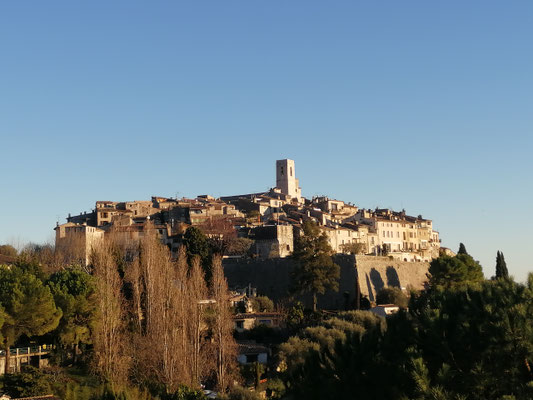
<point>224,343</point>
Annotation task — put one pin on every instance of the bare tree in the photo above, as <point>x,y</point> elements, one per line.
<point>225,346</point>
<point>167,310</point>
<point>109,338</point>
<point>198,300</point>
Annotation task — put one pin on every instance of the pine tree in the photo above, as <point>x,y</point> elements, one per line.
<point>501,266</point>
<point>29,307</point>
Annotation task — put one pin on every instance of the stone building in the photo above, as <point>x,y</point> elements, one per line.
<point>286,179</point>
<point>78,240</point>
<point>270,218</point>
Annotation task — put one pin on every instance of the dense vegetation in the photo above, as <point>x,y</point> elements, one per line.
<point>465,337</point>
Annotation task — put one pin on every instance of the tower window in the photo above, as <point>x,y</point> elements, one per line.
<point>281,170</point>
<point>291,171</point>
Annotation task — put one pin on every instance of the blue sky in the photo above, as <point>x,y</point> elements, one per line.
<point>426,106</point>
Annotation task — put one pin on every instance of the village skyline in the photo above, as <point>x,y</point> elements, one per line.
<point>421,107</point>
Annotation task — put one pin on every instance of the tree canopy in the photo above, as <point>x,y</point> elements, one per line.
<point>314,272</point>
<point>446,271</point>
<point>28,304</point>
<point>392,295</point>
<point>198,246</point>
<point>74,290</point>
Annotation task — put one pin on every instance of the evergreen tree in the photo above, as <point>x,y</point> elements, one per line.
<point>197,245</point>
<point>501,266</point>
<point>447,272</point>
<point>314,272</point>
<point>74,291</point>
<point>29,307</point>
<point>462,249</point>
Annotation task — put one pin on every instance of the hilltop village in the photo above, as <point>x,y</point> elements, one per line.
<point>259,225</point>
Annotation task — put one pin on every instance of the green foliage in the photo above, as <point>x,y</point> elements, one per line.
<point>462,249</point>
<point>240,393</point>
<point>472,341</point>
<point>295,316</point>
<point>501,266</point>
<point>28,304</point>
<point>325,335</point>
<point>252,373</point>
<point>484,333</point>
<point>262,304</point>
<point>198,246</point>
<point>365,319</point>
<point>447,272</point>
<point>314,272</point>
<point>354,248</point>
<point>294,351</point>
<point>30,266</point>
<point>29,382</point>
<point>275,388</point>
<point>392,295</point>
<point>74,290</point>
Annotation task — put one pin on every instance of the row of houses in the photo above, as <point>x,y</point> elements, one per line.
<point>271,219</point>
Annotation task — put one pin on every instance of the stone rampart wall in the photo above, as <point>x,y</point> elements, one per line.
<point>271,277</point>
<point>374,273</point>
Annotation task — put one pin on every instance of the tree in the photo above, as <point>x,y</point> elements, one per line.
<point>224,344</point>
<point>109,337</point>
<point>28,305</point>
<point>314,272</point>
<point>8,250</point>
<point>354,248</point>
<point>501,266</point>
<point>165,354</point>
<point>447,272</point>
<point>462,249</point>
<point>262,304</point>
<point>197,245</point>
<point>477,340</point>
<point>392,295</point>
<point>29,382</point>
<point>220,232</point>
<point>74,293</point>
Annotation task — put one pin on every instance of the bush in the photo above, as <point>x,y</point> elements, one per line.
<point>29,382</point>
<point>240,393</point>
<point>392,295</point>
<point>262,304</point>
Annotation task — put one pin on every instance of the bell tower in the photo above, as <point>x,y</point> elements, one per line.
<point>286,179</point>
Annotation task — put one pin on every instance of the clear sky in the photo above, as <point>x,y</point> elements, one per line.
<point>426,106</point>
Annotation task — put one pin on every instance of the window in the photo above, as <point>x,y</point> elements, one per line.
<point>265,321</point>
<point>239,324</point>
<point>291,171</point>
<point>281,171</point>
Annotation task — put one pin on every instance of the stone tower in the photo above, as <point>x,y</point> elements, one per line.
<point>286,179</point>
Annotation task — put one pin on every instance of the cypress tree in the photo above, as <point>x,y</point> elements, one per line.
<point>501,266</point>
<point>462,249</point>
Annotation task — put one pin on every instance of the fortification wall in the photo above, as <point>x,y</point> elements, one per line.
<point>374,273</point>
<point>271,277</point>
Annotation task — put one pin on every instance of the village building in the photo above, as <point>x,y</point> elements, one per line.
<point>272,219</point>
